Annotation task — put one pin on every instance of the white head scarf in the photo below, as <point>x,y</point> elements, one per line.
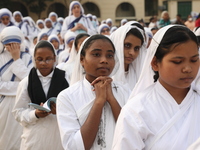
<point>40,35</point>
<point>5,11</point>
<point>11,34</point>
<point>69,36</point>
<point>17,13</point>
<point>72,5</point>
<point>46,20</point>
<point>146,77</point>
<point>53,37</point>
<point>123,21</point>
<point>109,20</point>
<point>78,72</point>
<point>101,27</point>
<point>60,19</point>
<point>56,57</point>
<point>53,14</point>
<point>118,38</point>
<point>113,29</point>
<point>38,22</point>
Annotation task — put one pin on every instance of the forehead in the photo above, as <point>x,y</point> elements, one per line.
<point>44,50</point>
<point>75,6</point>
<point>102,44</point>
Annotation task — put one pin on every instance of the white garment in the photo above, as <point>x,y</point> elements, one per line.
<point>134,71</point>
<point>146,115</point>
<point>195,145</point>
<point>38,133</point>
<point>73,107</point>
<point>10,130</point>
<point>83,20</point>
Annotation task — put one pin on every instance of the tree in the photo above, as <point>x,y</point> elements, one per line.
<point>36,6</point>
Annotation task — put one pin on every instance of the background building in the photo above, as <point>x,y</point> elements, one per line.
<point>114,9</point>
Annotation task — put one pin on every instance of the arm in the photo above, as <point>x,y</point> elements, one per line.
<point>23,114</point>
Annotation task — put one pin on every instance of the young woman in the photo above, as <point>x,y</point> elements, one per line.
<point>88,109</point>
<point>56,43</point>
<point>15,65</point>
<point>40,129</point>
<point>128,41</point>
<point>6,18</point>
<point>168,108</point>
<point>104,29</point>
<point>76,21</point>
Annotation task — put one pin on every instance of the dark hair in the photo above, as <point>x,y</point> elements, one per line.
<point>92,39</point>
<point>42,44</point>
<point>79,36</point>
<point>136,33</point>
<point>174,35</point>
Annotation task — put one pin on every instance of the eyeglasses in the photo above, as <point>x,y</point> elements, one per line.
<point>106,30</point>
<point>5,18</point>
<point>47,61</point>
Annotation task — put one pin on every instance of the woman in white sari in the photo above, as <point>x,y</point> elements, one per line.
<point>170,107</point>
<point>88,109</point>
<point>15,64</point>
<point>76,21</point>
<point>128,41</point>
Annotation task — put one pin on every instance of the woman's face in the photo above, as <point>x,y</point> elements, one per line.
<point>5,19</point>
<point>76,10</point>
<point>41,25</point>
<point>178,68</point>
<point>98,59</point>
<point>105,31</point>
<point>44,59</point>
<point>132,45</point>
<point>55,43</point>
<point>18,18</point>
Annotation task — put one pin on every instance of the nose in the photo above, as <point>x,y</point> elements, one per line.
<point>187,69</point>
<point>103,60</point>
<point>132,52</point>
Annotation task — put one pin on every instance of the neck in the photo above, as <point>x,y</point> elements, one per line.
<point>126,67</point>
<point>177,93</point>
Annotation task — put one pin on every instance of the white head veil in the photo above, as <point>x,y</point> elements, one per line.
<point>11,34</point>
<point>146,77</point>
<point>5,11</point>
<point>53,14</point>
<point>72,5</point>
<point>53,37</point>
<point>102,26</point>
<point>56,57</point>
<point>79,73</point>
<point>18,13</point>
<point>135,67</point>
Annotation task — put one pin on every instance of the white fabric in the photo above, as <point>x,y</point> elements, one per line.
<point>195,145</point>
<point>101,27</point>
<point>10,130</point>
<point>84,20</point>
<point>146,77</point>
<point>4,11</point>
<point>73,107</point>
<point>65,54</point>
<point>143,118</point>
<point>78,71</point>
<point>39,133</point>
<point>134,71</point>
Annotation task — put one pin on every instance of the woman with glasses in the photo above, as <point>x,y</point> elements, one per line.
<point>5,18</point>
<point>104,29</point>
<point>40,130</point>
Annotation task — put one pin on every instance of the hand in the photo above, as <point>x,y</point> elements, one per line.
<point>101,85</point>
<point>53,108</point>
<point>14,49</point>
<point>41,113</point>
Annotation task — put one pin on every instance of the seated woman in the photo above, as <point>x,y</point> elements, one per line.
<point>76,21</point>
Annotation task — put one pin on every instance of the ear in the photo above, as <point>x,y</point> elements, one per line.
<point>82,60</point>
<point>154,64</point>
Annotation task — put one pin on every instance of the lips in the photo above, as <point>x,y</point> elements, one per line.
<point>103,69</point>
<point>129,58</point>
<point>187,79</point>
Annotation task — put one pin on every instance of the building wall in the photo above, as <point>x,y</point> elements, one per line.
<point>108,8</point>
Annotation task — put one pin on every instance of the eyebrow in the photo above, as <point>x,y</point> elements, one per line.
<point>112,51</point>
<point>179,57</point>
